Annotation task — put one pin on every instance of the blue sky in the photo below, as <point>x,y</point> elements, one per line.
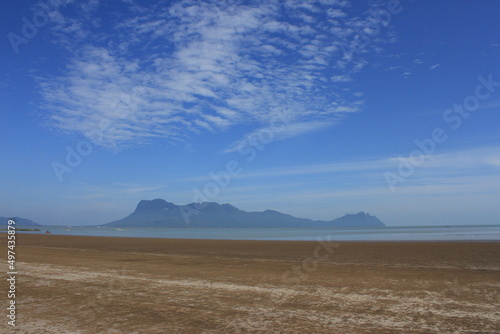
<point>312,108</point>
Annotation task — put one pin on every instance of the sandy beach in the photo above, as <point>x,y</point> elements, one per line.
<point>72,284</point>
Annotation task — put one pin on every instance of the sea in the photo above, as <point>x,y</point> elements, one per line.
<point>400,233</point>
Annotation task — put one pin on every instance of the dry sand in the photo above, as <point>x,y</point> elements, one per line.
<point>70,284</point>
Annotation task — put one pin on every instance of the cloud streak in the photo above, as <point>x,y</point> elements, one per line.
<point>438,168</point>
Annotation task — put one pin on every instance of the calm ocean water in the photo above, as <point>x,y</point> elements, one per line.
<point>425,233</point>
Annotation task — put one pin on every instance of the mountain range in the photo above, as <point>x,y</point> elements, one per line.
<point>160,213</point>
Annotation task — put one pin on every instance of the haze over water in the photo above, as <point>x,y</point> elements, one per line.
<point>412,233</point>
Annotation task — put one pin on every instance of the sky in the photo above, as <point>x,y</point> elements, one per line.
<point>312,108</point>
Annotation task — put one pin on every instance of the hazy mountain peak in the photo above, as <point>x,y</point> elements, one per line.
<point>156,204</point>
<point>360,219</point>
<point>19,221</point>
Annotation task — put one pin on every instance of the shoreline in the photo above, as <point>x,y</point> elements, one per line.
<point>269,240</point>
<point>464,233</point>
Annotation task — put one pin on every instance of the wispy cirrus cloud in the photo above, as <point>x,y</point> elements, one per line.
<point>436,168</point>
<point>168,71</point>
<point>451,178</point>
<point>287,131</point>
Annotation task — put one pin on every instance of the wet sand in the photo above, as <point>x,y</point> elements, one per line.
<point>71,284</point>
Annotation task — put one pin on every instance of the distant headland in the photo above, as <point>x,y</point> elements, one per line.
<point>160,213</point>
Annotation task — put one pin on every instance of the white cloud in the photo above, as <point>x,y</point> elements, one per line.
<point>341,78</point>
<point>493,160</point>
<point>284,131</point>
<point>464,181</point>
<point>335,13</point>
<point>117,191</point>
<point>436,168</point>
<point>196,66</point>
<point>407,74</point>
